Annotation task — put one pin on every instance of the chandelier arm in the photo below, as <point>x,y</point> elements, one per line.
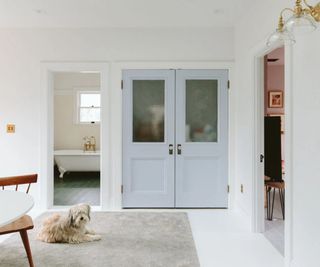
<point>281,20</point>
<point>305,2</point>
<point>286,9</point>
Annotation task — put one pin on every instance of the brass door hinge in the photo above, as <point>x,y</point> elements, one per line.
<point>121,84</point>
<point>121,189</point>
<point>228,189</point>
<point>228,84</point>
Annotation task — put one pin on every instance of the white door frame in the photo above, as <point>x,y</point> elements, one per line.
<point>116,107</point>
<point>47,129</point>
<point>258,219</point>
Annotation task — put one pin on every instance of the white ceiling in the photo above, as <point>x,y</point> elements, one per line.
<point>119,13</point>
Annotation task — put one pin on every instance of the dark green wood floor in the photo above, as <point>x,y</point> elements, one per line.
<point>77,187</point>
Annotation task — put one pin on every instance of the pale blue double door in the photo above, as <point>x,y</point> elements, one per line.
<point>175,139</point>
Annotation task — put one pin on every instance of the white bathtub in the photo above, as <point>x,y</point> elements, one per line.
<point>76,160</point>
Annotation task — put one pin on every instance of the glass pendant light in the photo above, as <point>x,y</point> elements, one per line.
<point>281,36</point>
<point>301,24</point>
<point>301,20</point>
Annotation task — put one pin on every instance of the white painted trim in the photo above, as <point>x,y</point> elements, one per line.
<point>46,111</point>
<point>70,91</point>
<point>257,219</point>
<point>116,108</point>
<point>258,181</point>
<point>289,156</point>
<point>63,92</point>
<point>258,172</point>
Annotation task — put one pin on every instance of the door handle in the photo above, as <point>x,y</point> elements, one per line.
<point>170,149</point>
<point>179,149</point>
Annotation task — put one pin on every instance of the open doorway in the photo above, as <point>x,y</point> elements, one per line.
<point>274,153</point>
<point>77,108</point>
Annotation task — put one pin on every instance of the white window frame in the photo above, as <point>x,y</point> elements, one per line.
<point>78,92</point>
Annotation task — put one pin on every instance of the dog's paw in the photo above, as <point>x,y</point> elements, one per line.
<point>90,232</point>
<point>74,241</point>
<point>96,237</point>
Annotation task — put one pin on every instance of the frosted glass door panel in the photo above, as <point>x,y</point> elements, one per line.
<point>201,110</point>
<point>148,110</point>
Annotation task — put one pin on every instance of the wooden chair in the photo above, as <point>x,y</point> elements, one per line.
<point>25,223</point>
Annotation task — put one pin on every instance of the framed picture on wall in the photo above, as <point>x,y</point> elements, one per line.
<point>275,99</point>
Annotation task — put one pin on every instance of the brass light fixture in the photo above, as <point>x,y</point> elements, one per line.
<point>303,19</point>
<point>281,35</point>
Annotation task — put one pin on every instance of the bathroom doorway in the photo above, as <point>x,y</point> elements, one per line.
<point>76,112</point>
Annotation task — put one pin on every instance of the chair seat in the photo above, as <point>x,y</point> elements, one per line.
<point>24,223</point>
<point>279,185</point>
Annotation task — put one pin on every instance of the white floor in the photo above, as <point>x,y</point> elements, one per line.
<point>274,230</point>
<point>223,239</point>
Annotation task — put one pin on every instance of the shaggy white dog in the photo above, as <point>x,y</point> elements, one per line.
<point>68,229</point>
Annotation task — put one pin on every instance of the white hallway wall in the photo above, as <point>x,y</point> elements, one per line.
<point>250,33</point>
<point>23,50</point>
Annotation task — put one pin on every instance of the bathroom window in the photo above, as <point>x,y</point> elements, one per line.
<point>88,107</point>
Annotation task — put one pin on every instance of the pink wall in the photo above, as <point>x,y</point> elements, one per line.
<point>275,82</point>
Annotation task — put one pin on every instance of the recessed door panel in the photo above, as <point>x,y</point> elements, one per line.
<point>150,175</point>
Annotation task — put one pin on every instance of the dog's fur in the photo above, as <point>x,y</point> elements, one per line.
<point>68,229</point>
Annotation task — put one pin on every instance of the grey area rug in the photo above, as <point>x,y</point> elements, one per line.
<point>129,239</point>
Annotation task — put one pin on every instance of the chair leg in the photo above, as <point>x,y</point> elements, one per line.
<point>25,240</point>
<point>269,205</point>
<point>284,203</point>
<point>281,195</point>
<point>267,195</point>
<point>274,193</point>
